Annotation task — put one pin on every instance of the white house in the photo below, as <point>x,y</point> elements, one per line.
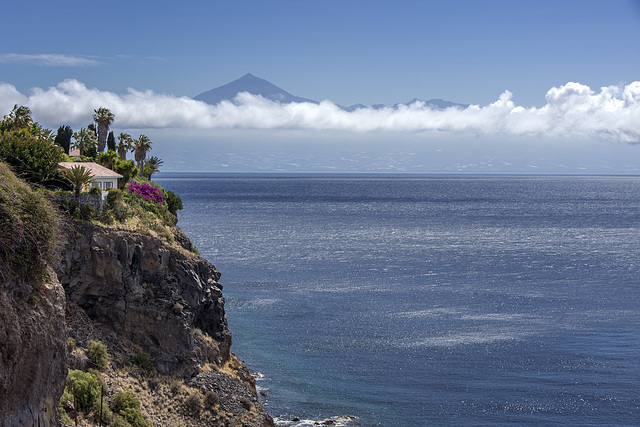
<point>103,177</point>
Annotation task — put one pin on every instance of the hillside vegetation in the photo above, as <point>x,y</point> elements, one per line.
<point>109,316</point>
<point>29,230</point>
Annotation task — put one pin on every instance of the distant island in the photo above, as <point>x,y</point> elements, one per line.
<point>261,87</point>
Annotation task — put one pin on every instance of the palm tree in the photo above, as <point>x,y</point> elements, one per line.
<point>141,146</point>
<point>125,144</point>
<point>79,176</point>
<point>151,166</point>
<point>85,141</point>
<point>103,118</point>
<point>107,159</point>
<point>19,118</point>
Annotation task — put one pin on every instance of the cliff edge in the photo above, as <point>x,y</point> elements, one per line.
<point>149,293</point>
<point>33,352</point>
<point>33,336</point>
<point>139,315</point>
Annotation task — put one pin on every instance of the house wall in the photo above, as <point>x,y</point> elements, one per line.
<point>107,183</point>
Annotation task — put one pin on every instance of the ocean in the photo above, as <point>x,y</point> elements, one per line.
<point>400,300</point>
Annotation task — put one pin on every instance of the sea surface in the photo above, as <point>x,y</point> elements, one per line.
<point>428,300</point>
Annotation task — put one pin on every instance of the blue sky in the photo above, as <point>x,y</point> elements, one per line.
<point>346,52</point>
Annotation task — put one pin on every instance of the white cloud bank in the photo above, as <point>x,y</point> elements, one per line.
<point>572,111</point>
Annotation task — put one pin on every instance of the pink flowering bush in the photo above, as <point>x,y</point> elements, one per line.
<point>146,191</point>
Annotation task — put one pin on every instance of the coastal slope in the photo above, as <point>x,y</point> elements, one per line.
<point>155,308</point>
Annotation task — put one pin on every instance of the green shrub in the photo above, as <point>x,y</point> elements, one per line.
<point>97,353</point>
<point>126,168</point>
<point>95,191</point>
<point>107,217</point>
<point>172,201</point>
<point>32,157</point>
<point>121,212</point>
<point>88,387</point>
<point>87,390</point>
<point>87,213</point>
<point>127,406</point>
<point>145,362</point>
<point>118,421</point>
<point>113,196</point>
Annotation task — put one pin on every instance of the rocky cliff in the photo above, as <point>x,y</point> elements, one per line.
<point>147,292</point>
<point>33,336</point>
<point>140,295</point>
<point>155,309</point>
<point>33,352</point>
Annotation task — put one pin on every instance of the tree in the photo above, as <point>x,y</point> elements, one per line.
<point>27,147</point>
<point>111,142</point>
<point>128,170</point>
<point>126,144</point>
<point>103,118</point>
<point>141,147</point>
<point>18,118</point>
<point>63,138</point>
<point>85,141</point>
<point>79,176</point>
<point>151,166</point>
<point>33,159</point>
<point>108,159</point>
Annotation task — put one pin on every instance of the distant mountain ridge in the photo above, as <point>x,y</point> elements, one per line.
<point>257,86</point>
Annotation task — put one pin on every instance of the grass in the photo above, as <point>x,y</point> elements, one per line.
<point>29,234</point>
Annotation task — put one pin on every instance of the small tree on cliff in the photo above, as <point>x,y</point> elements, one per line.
<point>79,176</point>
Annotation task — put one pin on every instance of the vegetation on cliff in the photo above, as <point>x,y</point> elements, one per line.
<point>29,230</point>
<point>32,327</point>
<point>145,321</point>
<point>33,154</point>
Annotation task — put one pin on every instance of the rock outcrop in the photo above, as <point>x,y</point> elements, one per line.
<point>149,293</point>
<point>156,308</point>
<point>33,353</point>
<point>129,289</point>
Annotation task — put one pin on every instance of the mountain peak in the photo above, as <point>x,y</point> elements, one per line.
<point>253,85</point>
<point>261,87</point>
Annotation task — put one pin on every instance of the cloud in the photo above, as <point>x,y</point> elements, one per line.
<point>48,60</point>
<point>572,111</point>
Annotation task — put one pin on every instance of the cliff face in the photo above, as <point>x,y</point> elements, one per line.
<point>33,352</point>
<point>33,338</point>
<point>157,308</point>
<point>149,293</point>
<point>134,292</point>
